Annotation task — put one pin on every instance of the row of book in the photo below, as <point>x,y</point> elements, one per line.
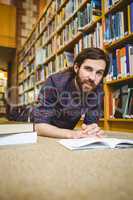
<point>118,24</point>
<point>40,73</point>
<point>2,103</point>
<point>70,30</point>
<point>62,61</point>
<point>2,110</point>
<point>69,8</point>
<point>27,98</point>
<point>27,59</point>
<point>121,102</point>
<point>49,49</point>
<point>115,26</point>
<point>121,64</point>
<point>2,95</point>
<point>84,17</point>
<point>107,4</point>
<point>24,75</point>
<point>29,83</point>
<point>3,87</point>
<point>49,30</point>
<point>93,39</point>
<point>48,15</point>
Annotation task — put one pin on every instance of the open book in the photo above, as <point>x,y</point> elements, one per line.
<point>96,143</point>
<point>17,134</point>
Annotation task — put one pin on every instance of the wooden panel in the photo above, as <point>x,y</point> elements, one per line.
<point>119,126</point>
<point>8,26</point>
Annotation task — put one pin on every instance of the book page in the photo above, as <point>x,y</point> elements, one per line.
<point>94,143</point>
<point>21,138</point>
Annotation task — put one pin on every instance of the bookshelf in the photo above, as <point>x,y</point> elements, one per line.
<point>70,26</point>
<point>3,85</point>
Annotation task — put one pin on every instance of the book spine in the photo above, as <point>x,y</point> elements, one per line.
<point>131,16</point>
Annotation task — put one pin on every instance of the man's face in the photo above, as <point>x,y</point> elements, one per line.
<point>89,74</point>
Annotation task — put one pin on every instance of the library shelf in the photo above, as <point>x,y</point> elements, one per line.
<point>119,42</point>
<point>28,76</point>
<point>101,119</point>
<point>39,82</point>
<point>77,36</point>
<point>68,45</point>
<point>49,58</point>
<point>89,26</point>
<point>63,4</point>
<point>116,6</point>
<point>71,17</point>
<point>45,27</point>
<point>128,78</point>
<point>50,38</point>
<point>120,120</point>
<point>27,90</point>
<point>45,9</point>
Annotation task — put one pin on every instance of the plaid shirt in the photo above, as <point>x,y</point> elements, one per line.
<point>62,105</point>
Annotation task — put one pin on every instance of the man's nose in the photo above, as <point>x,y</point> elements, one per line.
<point>93,76</point>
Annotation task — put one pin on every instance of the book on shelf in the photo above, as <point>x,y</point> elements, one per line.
<point>128,113</point>
<point>91,39</point>
<point>39,56</point>
<point>121,102</point>
<point>69,58</point>
<point>96,143</point>
<point>131,16</point>
<point>96,4</point>
<point>108,4</point>
<point>2,109</point>
<point>11,134</point>
<point>40,73</point>
<point>1,95</point>
<point>121,64</point>
<point>115,26</point>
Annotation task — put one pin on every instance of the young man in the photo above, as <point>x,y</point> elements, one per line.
<point>70,94</point>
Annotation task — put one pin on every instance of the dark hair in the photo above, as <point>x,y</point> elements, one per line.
<point>93,53</point>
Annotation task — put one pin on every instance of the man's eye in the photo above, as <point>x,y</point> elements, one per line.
<point>100,73</point>
<point>88,69</point>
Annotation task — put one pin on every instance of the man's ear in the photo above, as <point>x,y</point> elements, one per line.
<point>76,68</point>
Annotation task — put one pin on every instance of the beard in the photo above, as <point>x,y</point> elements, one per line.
<point>86,85</point>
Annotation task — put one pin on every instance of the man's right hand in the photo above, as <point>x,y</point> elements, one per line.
<point>92,130</point>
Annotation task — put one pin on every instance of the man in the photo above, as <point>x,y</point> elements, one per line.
<point>70,94</point>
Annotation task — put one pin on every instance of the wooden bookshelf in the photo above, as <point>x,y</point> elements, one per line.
<point>121,120</point>
<point>116,6</point>
<point>118,43</point>
<point>54,47</point>
<point>121,80</point>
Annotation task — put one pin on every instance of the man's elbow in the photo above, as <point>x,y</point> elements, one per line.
<point>37,129</point>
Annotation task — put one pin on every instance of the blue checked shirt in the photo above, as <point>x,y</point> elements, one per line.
<point>62,105</point>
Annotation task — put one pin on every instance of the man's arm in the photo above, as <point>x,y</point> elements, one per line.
<point>47,130</point>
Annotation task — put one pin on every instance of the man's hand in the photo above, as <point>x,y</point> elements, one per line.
<point>92,130</point>
<point>78,134</point>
